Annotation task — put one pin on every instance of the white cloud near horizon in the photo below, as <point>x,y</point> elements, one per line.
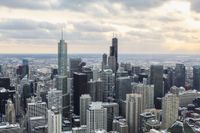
<point>142,26</point>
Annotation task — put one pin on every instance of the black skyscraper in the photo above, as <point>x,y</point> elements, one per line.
<point>180,75</point>
<point>196,78</point>
<point>79,88</point>
<point>114,50</point>
<point>115,47</point>
<point>156,78</point>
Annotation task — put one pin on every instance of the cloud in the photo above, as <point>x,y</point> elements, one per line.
<point>195,5</point>
<point>88,26</point>
<point>29,4</point>
<point>24,24</point>
<point>77,4</point>
<point>30,31</point>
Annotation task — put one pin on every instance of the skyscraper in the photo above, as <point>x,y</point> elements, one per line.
<point>55,99</point>
<point>99,90</point>
<point>79,88</point>
<point>147,92</point>
<point>104,61</point>
<point>75,65</point>
<point>114,52</point>
<point>96,117</point>
<point>115,48</point>
<point>180,75</point>
<point>85,101</point>
<point>170,106</point>
<point>54,121</point>
<point>156,78</point>
<point>133,111</point>
<point>112,63</point>
<point>62,86</point>
<point>112,112</point>
<point>37,109</point>
<point>196,78</point>
<point>10,112</point>
<point>96,90</point>
<point>123,87</point>
<point>25,67</point>
<point>62,57</point>
<point>108,80</point>
<point>62,75</point>
<point>92,89</point>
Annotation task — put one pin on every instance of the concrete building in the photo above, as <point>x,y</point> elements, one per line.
<point>187,97</point>
<point>133,111</point>
<point>10,112</point>
<point>108,80</point>
<point>55,99</point>
<point>123,87</point>
<point>147,92</point>
<point>120,125</point>
<point>96,117</point>
<point>96,89</point>
<point>170,106</point>
<point>82,129</point>
<point>10,128</point>
<point>37,109</point>
<point>85,101</point>
<point>54,121</point>
<point>112,112</point>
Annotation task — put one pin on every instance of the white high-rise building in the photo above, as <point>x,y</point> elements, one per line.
<point>54,121</point>
<point>37,109</point>
<point>85,101</point>
<point>55,99</point>
<point>96,117</point>
<point>170,106</point>
<point>147,92</point>
<point>10,112</point>
<point>133,111</point>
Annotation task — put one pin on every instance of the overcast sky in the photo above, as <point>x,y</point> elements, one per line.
<point>142,26</point>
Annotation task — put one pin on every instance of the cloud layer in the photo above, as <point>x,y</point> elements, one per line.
<point>142,26</point>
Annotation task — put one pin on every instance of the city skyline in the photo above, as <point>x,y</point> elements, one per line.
<point>142,26</point>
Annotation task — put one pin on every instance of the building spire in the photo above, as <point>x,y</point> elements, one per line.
<point>62,33</point>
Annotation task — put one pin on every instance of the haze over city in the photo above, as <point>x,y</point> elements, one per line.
<point>142,26</point>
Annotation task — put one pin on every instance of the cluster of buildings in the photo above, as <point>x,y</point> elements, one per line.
<point>110,98</point>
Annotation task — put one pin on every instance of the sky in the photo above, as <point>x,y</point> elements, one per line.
<point>141,26</point>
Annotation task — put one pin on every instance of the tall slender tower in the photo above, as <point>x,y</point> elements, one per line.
<point>114,54</point>
<point>62,76</point>
<point>62,57</point>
